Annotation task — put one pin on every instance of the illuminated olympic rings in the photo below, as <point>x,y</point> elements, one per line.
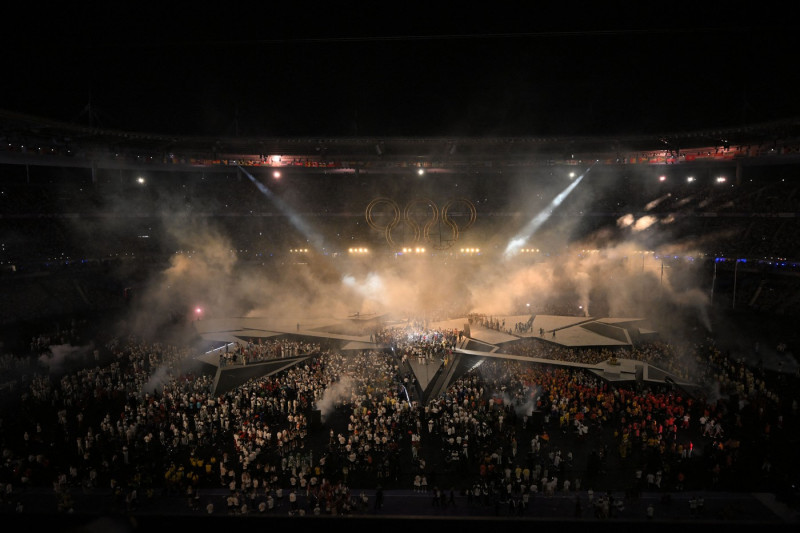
<point>423,233</point>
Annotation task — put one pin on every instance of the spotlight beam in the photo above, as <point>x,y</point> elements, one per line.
<point>536,222</point>
<point>313,237</point>
<point>301,225</point>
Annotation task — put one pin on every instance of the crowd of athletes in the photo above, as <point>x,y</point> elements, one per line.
<point>138,421</point>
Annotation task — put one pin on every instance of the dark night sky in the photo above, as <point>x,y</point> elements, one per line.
<point>384,72</point>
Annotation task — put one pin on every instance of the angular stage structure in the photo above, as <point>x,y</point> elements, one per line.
<point>479,342</point>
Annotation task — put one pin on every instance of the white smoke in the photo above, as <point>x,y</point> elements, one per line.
<point>615,279</point>
<point>60,356</point>
<point>529,406</point>
<point>157,380</point>
<point>334,394</point>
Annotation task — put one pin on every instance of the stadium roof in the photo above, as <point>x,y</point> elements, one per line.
<point>32,140</point>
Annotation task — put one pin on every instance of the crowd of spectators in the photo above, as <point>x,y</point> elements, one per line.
<point>40,209</point>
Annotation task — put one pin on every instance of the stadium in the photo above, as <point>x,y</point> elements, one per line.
<point>397,330</point>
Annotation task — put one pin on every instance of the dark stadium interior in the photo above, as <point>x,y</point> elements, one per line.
<point>360,201</point>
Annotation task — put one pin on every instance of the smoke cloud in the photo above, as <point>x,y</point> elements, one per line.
<point>587,254</point>
<point>336,393</point>
<point>60,357</point>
